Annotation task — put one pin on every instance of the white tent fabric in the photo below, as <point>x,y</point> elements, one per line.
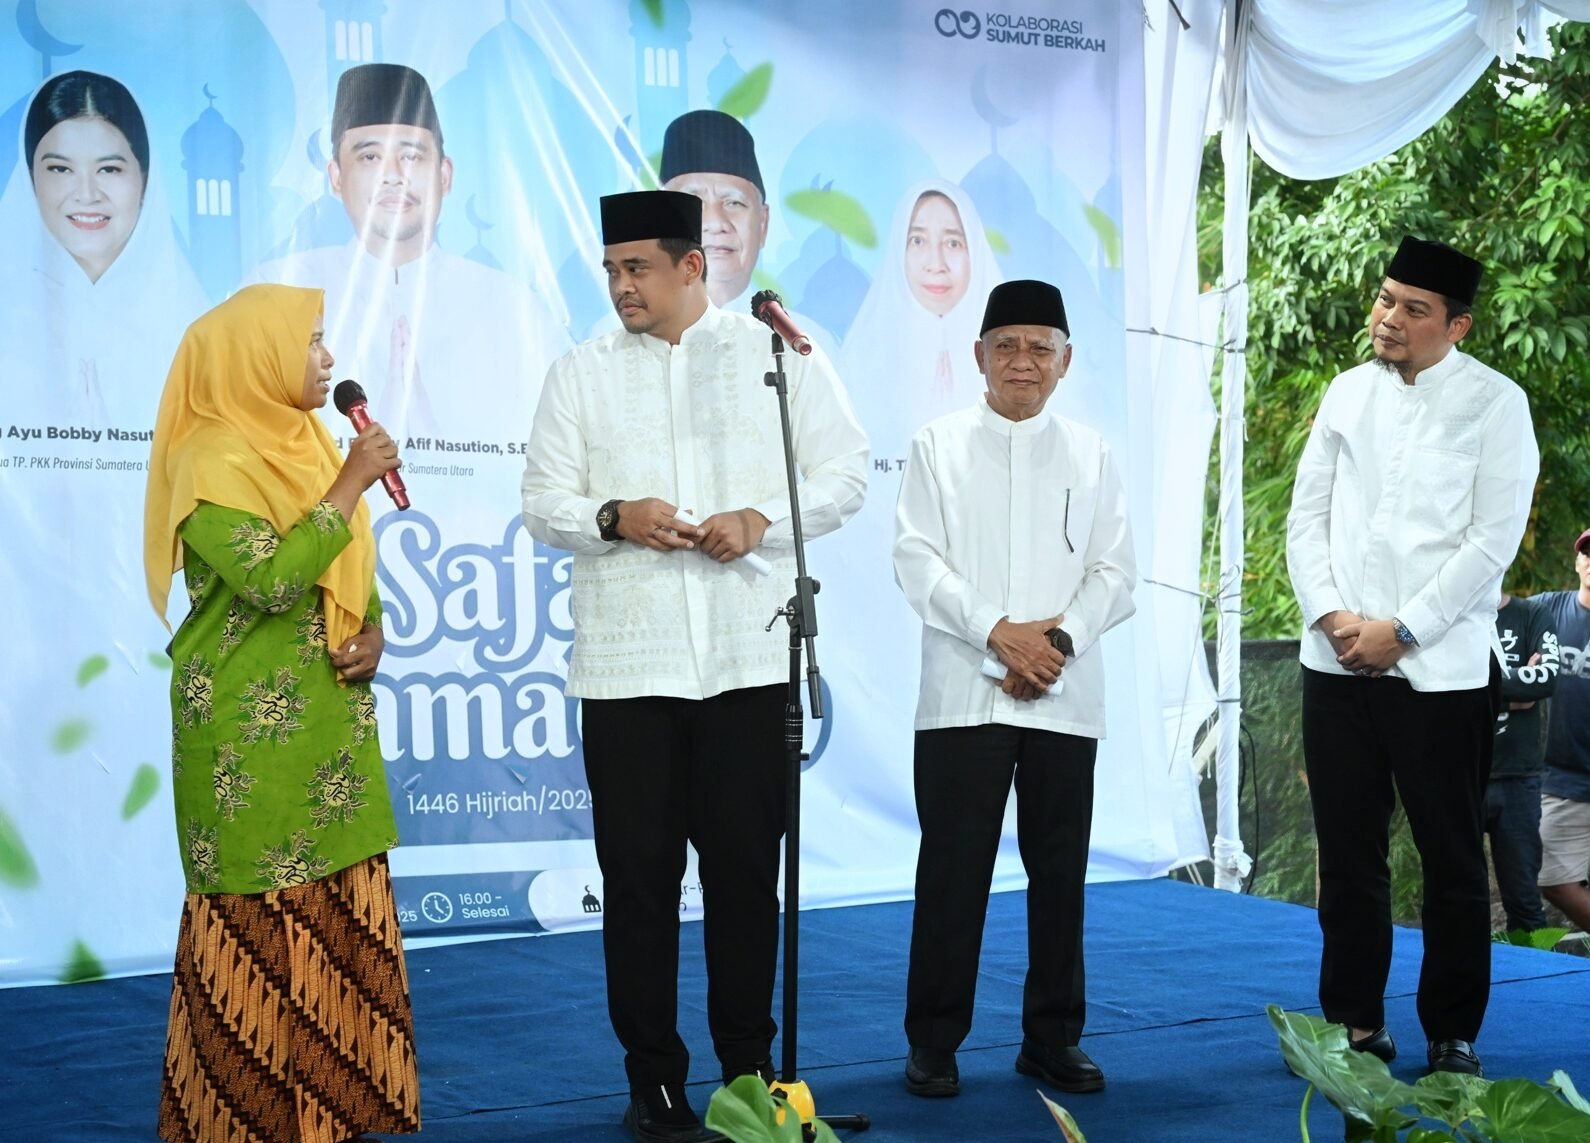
<point>1331,87</point>
<point>1167,341</point>
<point>1318,90</point>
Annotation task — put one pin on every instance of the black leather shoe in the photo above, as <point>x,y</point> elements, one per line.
<point>1064,1069</point>
<point>1454,1056</point>
<point>1378,1044</point>
<point>932,1072</point>
<point>762,1069</point>
<point>660,1113</point>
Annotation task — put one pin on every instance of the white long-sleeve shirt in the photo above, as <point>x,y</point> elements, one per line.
<point>626,416</point>
<point>1410,502</point>
<point>1025,519</point>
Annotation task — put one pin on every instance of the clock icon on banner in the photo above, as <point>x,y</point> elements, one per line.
<point>437,908</point>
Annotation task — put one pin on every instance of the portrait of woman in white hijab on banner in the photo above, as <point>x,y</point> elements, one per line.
<point>98,288</point>
<point>908,355</point>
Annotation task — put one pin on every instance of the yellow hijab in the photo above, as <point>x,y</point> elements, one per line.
<point>229,432</point>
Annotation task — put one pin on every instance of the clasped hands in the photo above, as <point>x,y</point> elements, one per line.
<point>724,536</point>
<point>1366,647</point>
<point>1032,663</point>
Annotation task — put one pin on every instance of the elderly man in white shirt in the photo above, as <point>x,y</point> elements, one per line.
<point>1411,497</point>
<point>640,434</point>
<point>1011,543</point>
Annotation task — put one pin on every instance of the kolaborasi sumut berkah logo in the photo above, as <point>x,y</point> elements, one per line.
<point>952,23</point>
<point>1063,32</point>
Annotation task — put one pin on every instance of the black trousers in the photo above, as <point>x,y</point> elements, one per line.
<point>963,779</point>
<point>1361,737</point>
<point>664,771</point>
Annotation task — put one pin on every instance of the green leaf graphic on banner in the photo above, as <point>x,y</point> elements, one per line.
<point>70,735</point>
<point>654,9</point>
<point>648,177</point>
<point>1109,235</point>
<point>745,98</point>
<point>997,240</point>
<point>145,784</point>
<point>16,863</point>
<point>84,965</point>
<point>762,280</point>
<point>836,210</point>
<point>160,660</point>
<point>91,668</point>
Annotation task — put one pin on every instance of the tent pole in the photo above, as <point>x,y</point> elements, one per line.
<point>1231,862</point>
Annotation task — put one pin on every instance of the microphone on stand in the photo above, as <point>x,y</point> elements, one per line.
<point>350,400</point>
<point>768,308</point>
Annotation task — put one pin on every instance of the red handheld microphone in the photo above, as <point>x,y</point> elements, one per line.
<point>768,307</point>
<point>350,401</point>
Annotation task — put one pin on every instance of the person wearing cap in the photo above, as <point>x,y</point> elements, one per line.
<point>1530,660</point>
<point>682,680</point>
<point>711,155</point>
<point>444,346</point>
<point>1565,794</point>
<point>1011,523</point>
<point>1411,497</point>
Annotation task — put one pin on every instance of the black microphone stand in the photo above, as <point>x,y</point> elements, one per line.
<point>801,614</point>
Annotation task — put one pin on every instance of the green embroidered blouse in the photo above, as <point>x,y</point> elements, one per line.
<point>276,768</point>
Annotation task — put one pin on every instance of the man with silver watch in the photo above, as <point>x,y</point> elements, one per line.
<point>1411,497</point>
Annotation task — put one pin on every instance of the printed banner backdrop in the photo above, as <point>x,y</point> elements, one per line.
<point>911,157</point>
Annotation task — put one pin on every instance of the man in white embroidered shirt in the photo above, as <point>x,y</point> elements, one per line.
<point>1411,497</point>
<point>683,688</point>
<point>431,334</point>
<point>1011,543</point>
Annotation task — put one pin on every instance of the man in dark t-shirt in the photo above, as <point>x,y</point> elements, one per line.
<point>1512,797</point>
<point>1565,798</point>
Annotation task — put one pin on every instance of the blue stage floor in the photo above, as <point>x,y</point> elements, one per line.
<point>515,1046</point>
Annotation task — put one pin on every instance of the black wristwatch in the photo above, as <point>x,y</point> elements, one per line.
<point>607,520</point>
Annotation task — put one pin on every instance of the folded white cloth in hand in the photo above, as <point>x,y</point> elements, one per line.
<point>756,563</point>
<point>994,669</point>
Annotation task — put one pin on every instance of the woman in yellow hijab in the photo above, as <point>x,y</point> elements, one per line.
<point>290,1015</point>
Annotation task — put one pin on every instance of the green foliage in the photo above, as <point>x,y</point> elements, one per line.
<point>747,1112</point>
<point>1378,1107</point>
<point>997,240</point>
<point>654,9</point>
<point>838,211</point>
<point>746,97</point>
<point>144,785</point>
<point>1560,1081</point>
<point>1359,1085</point>
<point>1547,938</point>
<point>16,863</point>
<point>1505,177</point>
<point>1069,1130</point>
<point>160,660</point>
<point>82,965</point>
<point>91,668</point>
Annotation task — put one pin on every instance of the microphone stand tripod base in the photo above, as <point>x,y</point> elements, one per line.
<point>799,1097</point>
